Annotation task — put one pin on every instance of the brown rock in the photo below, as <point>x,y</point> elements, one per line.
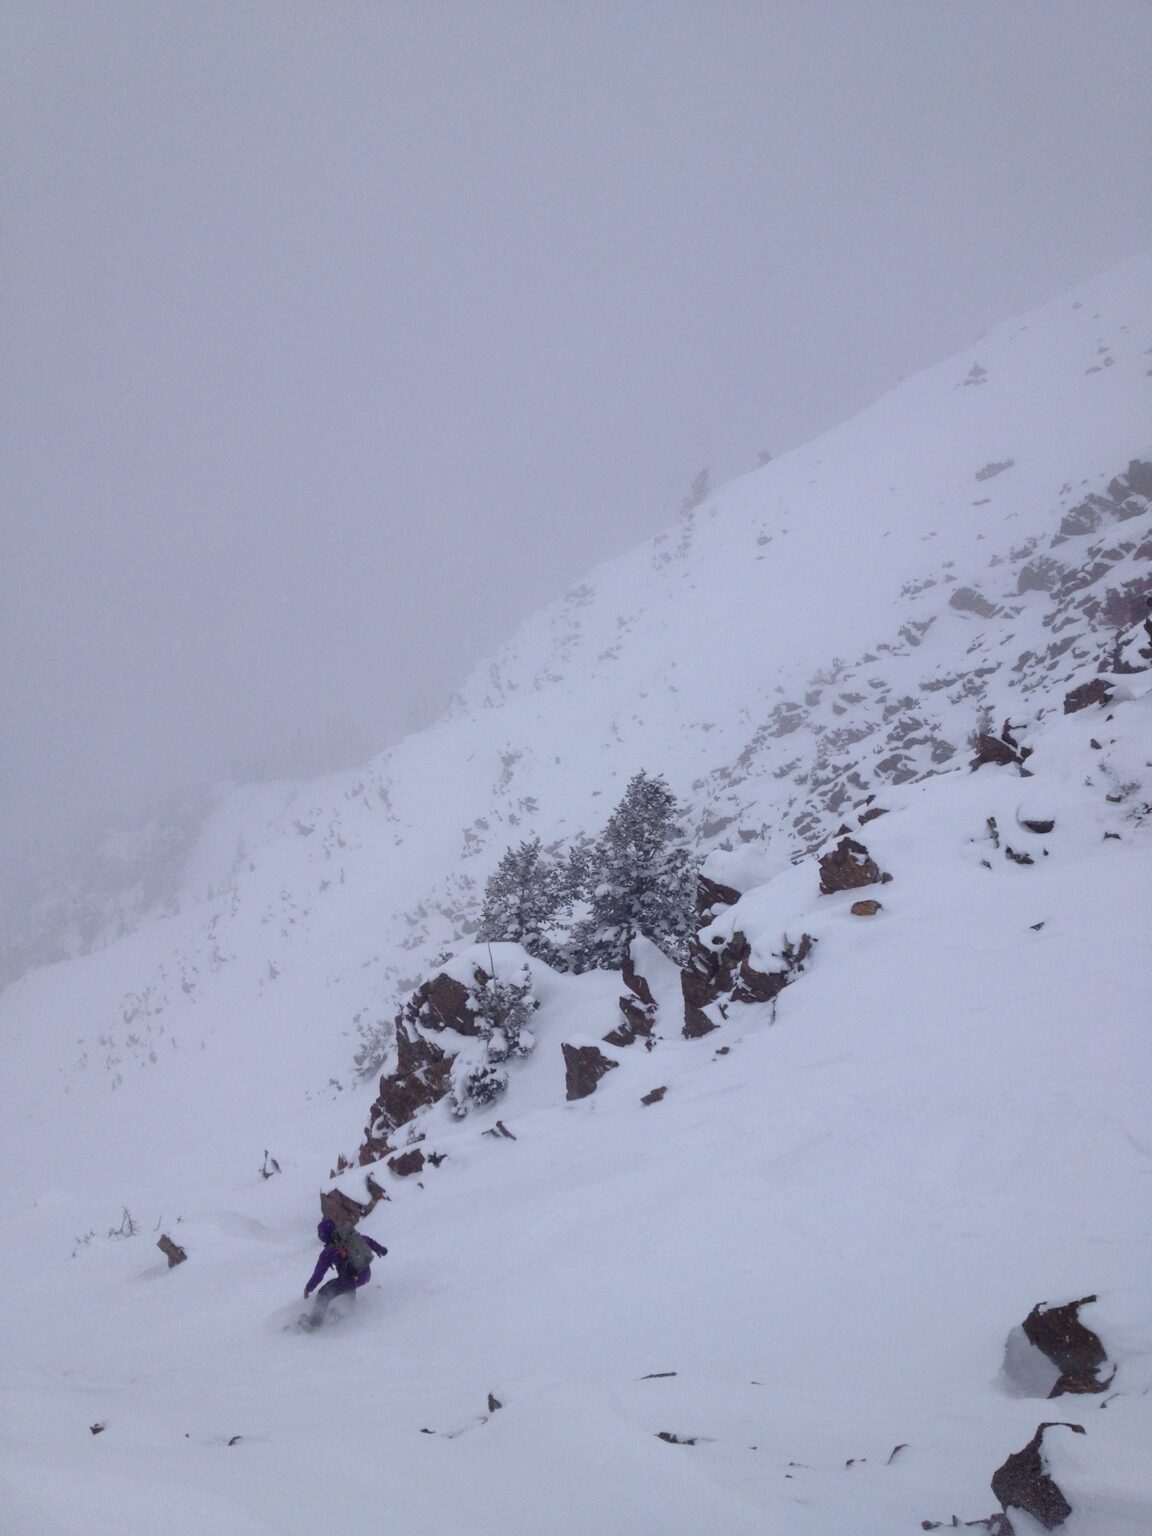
<point>1098,691</point>
<point>1002,751</point>
<point>698,990</point>
<point>171,1251</point>
<point>442,1003</point>
<point>968,600</point>
<point>636,983</point>
<point>336,1206</point>
<point>584,1066</point>
<point>871,814</point>
<point>407,1163</point>
<point>865,908</point>
<point>710,894</point>
<point>637,1006</point>
<point>1074,1349</point>
<point>725,973</point>
<point>655,1096</point>
<point>421,1078</point>
<point>847,867</point>
<point>1023,1482</point>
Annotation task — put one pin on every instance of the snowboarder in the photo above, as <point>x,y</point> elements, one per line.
<point>351,1253</point>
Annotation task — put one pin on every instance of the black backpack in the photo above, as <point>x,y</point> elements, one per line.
<point>354,1250</point>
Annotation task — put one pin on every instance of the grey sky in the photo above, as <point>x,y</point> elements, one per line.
<point>344,333</point>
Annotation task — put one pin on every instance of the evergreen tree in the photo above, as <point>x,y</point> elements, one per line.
<point>699,491</point>
<point>503,1012</point>
<point>579,872</point>
<point>643,880</point>
<point>522,901</point>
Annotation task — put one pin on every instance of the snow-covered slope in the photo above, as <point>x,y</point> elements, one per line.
<point>832,1221</point>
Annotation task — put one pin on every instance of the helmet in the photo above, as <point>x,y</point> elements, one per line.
<point>326,1231</point>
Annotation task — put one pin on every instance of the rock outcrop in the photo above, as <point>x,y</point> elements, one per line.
<point>722,972</point>
<point>171,1251</point>
<point>1073,1348</point>
<point>711,895</point>
<point>1003,751</point>
<point>849,866</point>
<point>404,1164</point>
<point>584,1066</point>
<point>1098,691</point>
<point>336,1206</point>
<point>1023,1482</point>
<point>637,1007</point>
<point>423,1068</point>
<point>419,1078</point>
<point>442,1003</point>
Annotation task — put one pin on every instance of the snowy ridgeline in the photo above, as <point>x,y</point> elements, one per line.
<point>740,1237</point>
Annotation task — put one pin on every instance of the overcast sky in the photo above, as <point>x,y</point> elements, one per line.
<point>342,334</point>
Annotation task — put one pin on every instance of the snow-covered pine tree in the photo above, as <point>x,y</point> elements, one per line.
<point>643,880</point>
<point>698,492</point>
<point>522,901</point>
<point>503,1010</point>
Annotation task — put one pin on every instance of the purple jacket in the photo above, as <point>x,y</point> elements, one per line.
<point>330,1255</point>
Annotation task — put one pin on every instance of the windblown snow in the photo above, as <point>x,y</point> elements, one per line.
<point>784,1296</point>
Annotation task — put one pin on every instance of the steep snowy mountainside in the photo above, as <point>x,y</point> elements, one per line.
<point>832,625</point>
<point>780,1300</point>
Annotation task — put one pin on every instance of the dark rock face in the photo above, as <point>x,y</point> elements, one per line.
<point>340,1208</point>
<point>968,600</point>
<point>865,908</point>
<point>423,1068</point>
<point>1074,1349</point>
<point>710,894</point>
<point>637,1006</point>
<point>1136,482</point>
<point>1035,824</point>
<point>726,973</point>
<point>171,1251</point>
<point>1098,691</point>
<point>847,867</point>
<point>1040,575</point>
<point>655,1096</point>
<point>442,1003</point>
<point>1004,751</point>
<point>698,992</point>
<point>421,1078</point>
<point>1084,519</point>
<point>1128,496</point>
<point>584,1066</point>
<point>1023,1482</point>
<point>407,1163</point>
